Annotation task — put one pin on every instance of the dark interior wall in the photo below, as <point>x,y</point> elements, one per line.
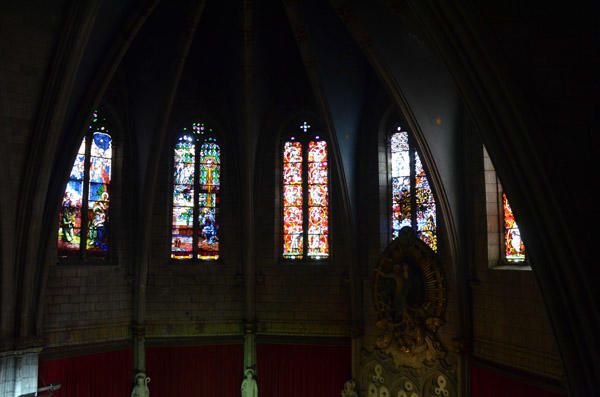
<point>30,34</point>
<point>295,298</point>
<point>193,299</point>
<point>336,56</point>
<point>510,323</point>
<point>547,56</point>
<point>536,75</point>
<point>411,71</point>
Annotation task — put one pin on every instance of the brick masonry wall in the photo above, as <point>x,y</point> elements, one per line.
<point>297,298</point>
<point>87,304</point>
<point>510,325</point>
<point>200,298</point>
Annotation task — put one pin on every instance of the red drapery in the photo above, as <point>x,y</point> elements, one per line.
<point>195,370</point>
<point>302,370</point>
<point>95,375</point>
<point>488,383</point>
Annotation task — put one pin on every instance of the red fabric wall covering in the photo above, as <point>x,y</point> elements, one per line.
<point>302,370</point>
<point>488,383</point>
<point>95,375</point>
<point>204,371</point>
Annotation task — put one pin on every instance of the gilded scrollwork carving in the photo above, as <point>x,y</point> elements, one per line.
<point>410,302</point>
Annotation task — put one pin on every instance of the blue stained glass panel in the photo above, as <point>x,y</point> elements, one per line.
<point>99,192</point>
<point>77,172</point>
<point>74,193</point>
<point>208,239</point>
<point>101,145</point>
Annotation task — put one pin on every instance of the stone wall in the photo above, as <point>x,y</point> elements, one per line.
<point>18,373</point>
<point>87,304</point>
<point>510,325</point>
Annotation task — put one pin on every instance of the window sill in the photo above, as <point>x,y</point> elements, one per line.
<point>87,262</point>
<point>192,263</point>
<point>503,264</point>
<point>304,262</point>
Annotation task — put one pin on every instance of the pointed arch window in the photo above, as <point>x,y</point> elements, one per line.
<point>412,201</point>
<point>196,194</point>
<point>305,195</point>
<point>84,211</point>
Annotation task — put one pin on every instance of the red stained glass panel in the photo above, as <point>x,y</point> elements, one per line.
<point>514,248</point>
<point>318,200</point>
<point>293,240</point>
<point>292,195</point>
<point>317,172</point>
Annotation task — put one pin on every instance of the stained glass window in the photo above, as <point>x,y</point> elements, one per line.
<point>305,196</point>
<point>514,248</point>
<point>413,204</point>
<point>505,245</point>
<point>196,194</point>
<point>83,215</point>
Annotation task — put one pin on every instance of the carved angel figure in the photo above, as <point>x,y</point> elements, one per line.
<point>349,389</point>
<point>141,386</point>
<point>249,387</point>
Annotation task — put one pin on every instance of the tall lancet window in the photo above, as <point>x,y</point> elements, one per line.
<point>196,194</point>
<point>412,200</point>
<point>305,195</point>
<point>83,216</point>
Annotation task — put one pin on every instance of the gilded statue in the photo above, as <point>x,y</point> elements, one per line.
<point>410,299</point>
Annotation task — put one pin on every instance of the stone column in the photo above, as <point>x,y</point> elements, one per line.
<point>356,346</point>
<point>249,135</point>
<point>249,345</point>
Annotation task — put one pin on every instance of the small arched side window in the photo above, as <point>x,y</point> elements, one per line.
<point>84,212</point>
<point>305,196</point>
<point>412,200</point>
<point>505,245</point>
<point>196,194</point>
